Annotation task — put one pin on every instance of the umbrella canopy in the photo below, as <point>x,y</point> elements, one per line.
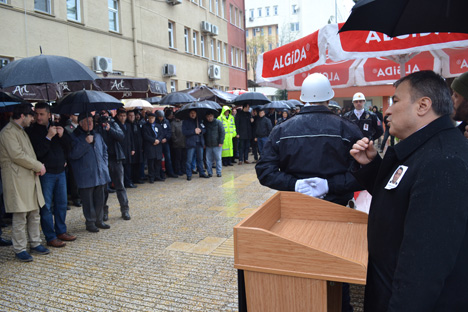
<point>86,101</point>
<point>276,105</point>
<point>8,101</point>
<point>44,69</point>
<point>296,103</point>
<point>153,99</point>
<point>177,98</point>
<point>212,104</point>
<point>202,108</point>
<point>401,17</point>
<point>359,57</point>
<point>212,94</point>
<point>137,104</point>
<point>251,98</point>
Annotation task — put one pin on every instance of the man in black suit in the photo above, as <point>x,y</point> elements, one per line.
<point>128,146</point>
<point>418,229</point>
<point>152,147</point>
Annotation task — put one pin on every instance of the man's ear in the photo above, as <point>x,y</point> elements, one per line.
<point>424,106</point>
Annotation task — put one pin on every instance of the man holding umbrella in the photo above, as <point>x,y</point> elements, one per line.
<point>194,129</point>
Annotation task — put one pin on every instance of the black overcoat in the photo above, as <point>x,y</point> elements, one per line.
<point>149,136</point>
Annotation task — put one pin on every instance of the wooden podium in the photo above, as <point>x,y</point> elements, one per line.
<point>295,250</point>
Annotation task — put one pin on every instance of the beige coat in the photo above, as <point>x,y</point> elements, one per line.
<point>22,190</point>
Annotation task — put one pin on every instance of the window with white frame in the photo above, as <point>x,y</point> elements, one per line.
<point>259,12</point>
<point>241,59</point>
<point>170,29</point>
<point>195,43</point>
<point>240,19</point>
<point>231,12</point>
<point>3,1</point>
<point>113,7</point>
<point>201,2</point>
<point>212,49</point>
<point>43,6</point>
<point>186,40</point>
<point>275,10</point>
<point>232,56</point>
<point>270,46</point>
<point>267,11</point>
<point>269,30</point>
<point>251,13</point>
<point>216,8</point>
<point>294,9</point>
<point>235,16</point>
<point>74,10</point>
<point>246,33</point>
<point>173,85</point>
<point>202,45</point>
<point>294,26</point>
<point>210,5</point>
<point>189,84</point>
<point>225,53</point>
<point>237,57</point>
<point>223,8</point>
<point>218,50</point>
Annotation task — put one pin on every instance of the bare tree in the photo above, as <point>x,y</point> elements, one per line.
<point>255,46</point>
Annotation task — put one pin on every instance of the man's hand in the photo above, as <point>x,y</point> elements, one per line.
<point>106,126</point>
<point>156,142</point>
<point>42,172</point>
<point>51,132</point>
<point>363,151</point>
<point>163,141</point>
<point>315,187</point>
<point>237,136</point>
<point>466,132</point>
<point>59,131</point>
<point>197,130</point>
<point>90,138</point>
<point>220,145</point>
<point>255,139</point>
<point>133,153</point>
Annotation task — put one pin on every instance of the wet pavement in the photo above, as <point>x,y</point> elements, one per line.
<point>175,254</point>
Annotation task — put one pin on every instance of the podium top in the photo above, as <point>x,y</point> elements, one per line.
<point>298,235</point>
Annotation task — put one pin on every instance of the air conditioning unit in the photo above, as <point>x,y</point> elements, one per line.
<point>214,30</point>
<point>169,70</point>
<point>214,72</point>
<point>205,27</point>
<point>174,2</point>
<point>102,63</point>
<point>251,18</point>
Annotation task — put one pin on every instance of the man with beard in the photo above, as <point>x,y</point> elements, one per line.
<point>21,185</point>
<point>460,102</point>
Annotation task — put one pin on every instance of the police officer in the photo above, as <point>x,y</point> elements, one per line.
<point>368,122</point>
<point>310,153</point>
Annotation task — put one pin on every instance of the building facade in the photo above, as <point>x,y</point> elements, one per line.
<point>185,43</point>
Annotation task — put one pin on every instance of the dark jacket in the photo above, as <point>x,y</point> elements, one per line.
<point>369,124</point>
<point>113,139</point>
<point>262,127</point>
<point>214,135</point>
<point>89,161</point>
<point>127,144</point>
<point>137,141</point>
<point>315,143</point>
<point>244,125</point>
<point>188,129</point>
<point>149,136</point>
<point>418,231</point>
<point>166,128</point>
<point>52,153</point>
<point>178,138</point>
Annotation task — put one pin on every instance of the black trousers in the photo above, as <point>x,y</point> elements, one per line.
<point>92,199</point>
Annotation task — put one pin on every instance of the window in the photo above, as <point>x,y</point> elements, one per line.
<point>235,16</point>
<point>202,46</point>
<point>251,13</point>
<point>254,32</point>
<point>241,59</point>
<point>261,31</point>
<point>218,50</point>
<point>231,11</point>
<point>194,39</point>
<point>173,86</point>
<point>216,7</point>
<point>232,56</point>
<point>225,53</point>
<point>237,57</point>
<point>269,30</point>
<point>42,5</point>
<point>294,8</point>
<point>4,61</point>
<point>267,11</point>
<point>294,26</point>
<point>74,10</point>
<point>275,10</point>
<point>223,7</point>
<point>189,84</point>
<point>3,1</point>
<point>113,6</point>
<point>170,29</point>
<point>186,40</point>
<point>246,33</point>
<point>201,2</point>
<point>211,5</point>
<point>240,19</point>
<point>212,50</point>
<point>270,46</point>
<point>259,12</point>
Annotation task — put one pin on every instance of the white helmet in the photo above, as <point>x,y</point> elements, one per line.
<point>359,97</point>
<point>316,88</point>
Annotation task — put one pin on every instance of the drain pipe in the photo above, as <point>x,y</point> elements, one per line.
<point>135,41</point>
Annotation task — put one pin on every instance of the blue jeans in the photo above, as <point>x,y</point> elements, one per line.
<point>54,189</point>
<point>198,150</point>
<point>213,154</point>
<point>167,158</point>
<point>261,142</point>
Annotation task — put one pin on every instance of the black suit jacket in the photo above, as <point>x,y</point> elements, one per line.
<point>149,136</point>
<point>417,232</point>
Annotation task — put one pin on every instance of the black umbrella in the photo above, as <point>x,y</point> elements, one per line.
<point>401,17</point>
<point>251,98</point>
<point>44,69</point>
<point>202,108</point>
<point>153,100</point>
<point>276,105</point>
<point>213,104</point>
<point>177,98</point>
<point>296,103</point>
<point>8,101</point>
<point>86,101</point>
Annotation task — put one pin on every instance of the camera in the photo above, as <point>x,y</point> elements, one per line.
<point>104,119</point>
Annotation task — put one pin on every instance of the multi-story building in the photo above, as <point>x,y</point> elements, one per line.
<point>182,42</point>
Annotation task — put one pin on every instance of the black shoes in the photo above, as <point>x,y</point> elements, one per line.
<point>189,178</point>
<point>105,217</point>
<point>172,175</point>
<point>102,225</point>
<point>126,216</point>
<point>210,175</point>
<point>219,175</point>
<point>77,203</point>
<point>5,242</point>
<point>204,175</point>
<point>131,185</point>
<point>92,228</point>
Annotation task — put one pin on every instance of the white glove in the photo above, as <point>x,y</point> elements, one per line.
<point>315,187</point>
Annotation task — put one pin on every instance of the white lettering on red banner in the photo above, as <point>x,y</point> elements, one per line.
<point>332,76</point>
<point>290,59</point>
<point>395,70</point>
<point>375,36</point>
<point>464,64</point>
